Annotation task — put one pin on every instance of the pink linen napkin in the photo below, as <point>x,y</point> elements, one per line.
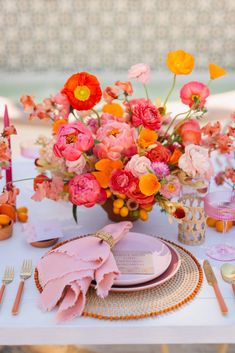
<point>66,272</point>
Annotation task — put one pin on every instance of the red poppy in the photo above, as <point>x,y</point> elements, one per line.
<point>83,91</point>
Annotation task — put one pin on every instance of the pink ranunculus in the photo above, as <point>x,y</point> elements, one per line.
<point>73,139</point>
<point>194,94</point>
<point>139,165</point>
<point>77,166</point>
<point>140,72</point>
<point>122,181</point>
<point>146,114</point>
<point>115,138</point>
<point>190,132</point>
<point>196,162</point>
<point>84,189</point>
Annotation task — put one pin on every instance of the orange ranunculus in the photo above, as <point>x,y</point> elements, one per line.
<point>104,169</point>
<point>180,63</point>
<point>83,91</point>
<point>175,156</point>
<point>57,124</point>
<point>114,109</point>
<point>216,71</point>
<point>125,86</point>
<point>149,184</point>
<point>147,137</point>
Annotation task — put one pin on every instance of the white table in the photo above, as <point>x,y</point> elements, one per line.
<point>200,321</point>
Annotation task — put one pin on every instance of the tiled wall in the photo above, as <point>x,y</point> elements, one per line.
<point>113,34</point>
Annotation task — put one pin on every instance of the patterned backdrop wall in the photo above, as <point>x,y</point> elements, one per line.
<point>59,35</point>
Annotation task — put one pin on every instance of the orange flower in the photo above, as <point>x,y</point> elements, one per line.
<point>216,71</point>
<point>147,137</point>
<point>57,124</point>
<point>149,184</point>
<point>105,168</point>
<point>180,63</point>
<point>114,109</point>
<point>125,86</point>
<point>83,91</point>
<point>175,156</point>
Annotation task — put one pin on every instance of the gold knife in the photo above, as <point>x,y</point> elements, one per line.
<point>212,281</point>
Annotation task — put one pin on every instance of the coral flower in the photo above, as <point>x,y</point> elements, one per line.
<point>190,132</point>
<point>159,154</point>
<point>125,86</point>
<point>140,72</point>
<point>180,63</point>
<point>139,197</point>
<point>84,190</point>
<point>216,71</point>
<point>110,93</point>
<point>147,137</point>
<point>104,168</point>
<point>114,109</point>
<point>194,94</point>
<point>122,181</point>
<point>146,114</point>
<point>83,91</point>
<point>149,184</point>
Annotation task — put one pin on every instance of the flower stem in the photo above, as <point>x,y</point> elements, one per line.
<point>146,92</point>
<point>98,117</point>
<point>172,122</point>
<point>171,90</point>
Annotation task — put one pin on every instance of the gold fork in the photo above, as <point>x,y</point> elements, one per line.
<point>25,273</point>
<point>7,278</point>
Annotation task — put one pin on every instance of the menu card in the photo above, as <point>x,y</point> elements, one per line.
<point>134,262</point>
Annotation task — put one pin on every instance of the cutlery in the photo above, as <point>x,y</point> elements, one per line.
<point>228,274</point>
<point>25,273</point>
<point>7,278</point>
<point>212,281</point>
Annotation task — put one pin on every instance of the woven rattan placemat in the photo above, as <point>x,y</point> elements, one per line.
<point>179,290</point>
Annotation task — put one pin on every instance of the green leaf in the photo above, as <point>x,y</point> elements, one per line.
<point>75,213</point>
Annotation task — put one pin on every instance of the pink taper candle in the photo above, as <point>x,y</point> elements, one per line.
<point>9,170</point>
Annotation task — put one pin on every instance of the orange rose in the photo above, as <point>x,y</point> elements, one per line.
<point>180,63</point>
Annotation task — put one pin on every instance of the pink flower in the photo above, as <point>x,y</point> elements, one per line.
<point>139,165</point>
<point>28,103</point>
<point>63,104</point>
<point>125,86</point>
<point>190,132</point>
<point>211,130</point>
<point>146,114</point>
<point>140,72</point>
<point>84,190</point>
<point>230,174</point>
<point>110,93</point>
<point>196,162</point>
<point>219,178</point>
<point>77,166</point>
<point>73,139</point>
<point>161,169</point>
<point>122,181</point>
<point>171,187</point>
<point>115,138</point>
<point>194,94</point>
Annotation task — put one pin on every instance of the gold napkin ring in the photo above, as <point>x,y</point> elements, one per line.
<point>105,236</point>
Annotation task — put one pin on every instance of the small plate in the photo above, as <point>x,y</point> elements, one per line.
<point>142,242</point>
<point>169,273</point>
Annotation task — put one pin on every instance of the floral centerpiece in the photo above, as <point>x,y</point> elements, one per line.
<point>125,154</point>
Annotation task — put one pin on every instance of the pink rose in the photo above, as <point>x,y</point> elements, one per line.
<point>194,94</point>
<point>146,114</point>
<point>73,139</point>
<point>196,162</point>
<point>84,190</point>
<point>115,138</point>
<point>139,165</point>
<point>140,72</point>
<point>190,132</point>
<point>76,166</point>
<point>122,181</point>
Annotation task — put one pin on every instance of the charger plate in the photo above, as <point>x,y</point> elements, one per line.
<point>171,295</point>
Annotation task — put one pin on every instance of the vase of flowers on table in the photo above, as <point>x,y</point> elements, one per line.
<point>124,154</point>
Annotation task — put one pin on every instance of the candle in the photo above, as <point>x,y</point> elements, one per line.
<point>8,170</point>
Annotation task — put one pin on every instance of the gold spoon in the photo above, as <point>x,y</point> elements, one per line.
<point>228,274</point>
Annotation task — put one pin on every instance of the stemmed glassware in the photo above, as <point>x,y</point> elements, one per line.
<point>220,205</point>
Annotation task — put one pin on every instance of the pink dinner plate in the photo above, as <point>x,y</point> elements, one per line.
<point>169,273</point>
<point>161,255</point>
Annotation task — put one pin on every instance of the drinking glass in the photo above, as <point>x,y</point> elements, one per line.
<point>220,205</point>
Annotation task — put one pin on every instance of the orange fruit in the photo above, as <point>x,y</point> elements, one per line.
<point>8,210</point>
<point>22,209</point>
<point>219,225</point>
<point>5,220</point>
<point>124,211</point>
<point>211,222</point>
<point>22,217</point>
<point>143,215</point>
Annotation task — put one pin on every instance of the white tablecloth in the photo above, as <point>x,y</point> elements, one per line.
<point>200,321</point>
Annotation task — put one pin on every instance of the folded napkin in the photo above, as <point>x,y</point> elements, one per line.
<point>66,272</point>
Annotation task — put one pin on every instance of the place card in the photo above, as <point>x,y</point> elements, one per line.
<point>134,262</point>
<point>48,229</point>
